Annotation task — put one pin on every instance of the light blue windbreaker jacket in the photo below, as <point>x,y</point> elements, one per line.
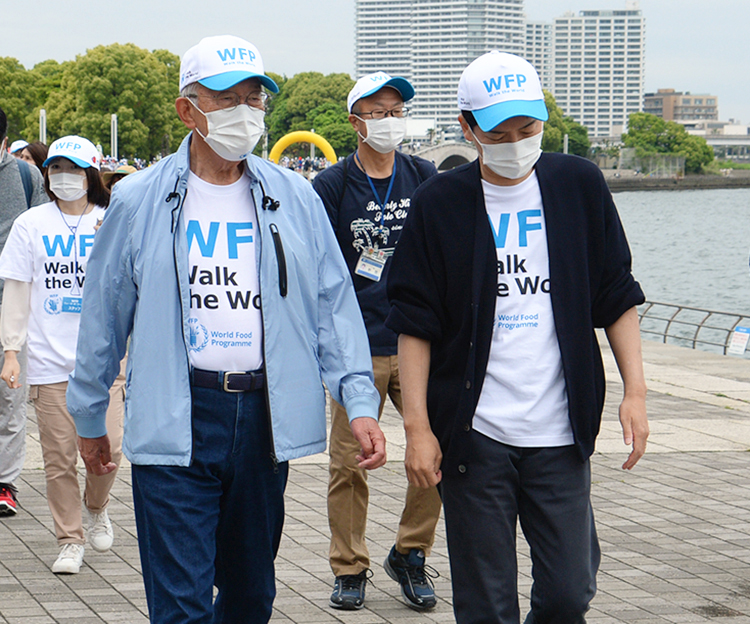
<point>137,286</point>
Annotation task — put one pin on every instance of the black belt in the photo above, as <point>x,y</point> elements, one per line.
<point>228,381</point>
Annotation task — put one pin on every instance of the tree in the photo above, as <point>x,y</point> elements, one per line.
<point>557,126</point>
<point>138,85</point>
<point>331,121</point>
<point>311,100</point>
<point>650,134</point>
<point>578,138</point>
<point>554,127</point>
<point>15,96</point>
<point>44,78</point>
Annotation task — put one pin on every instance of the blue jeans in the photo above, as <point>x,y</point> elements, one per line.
<point>548,490</point>
<point>216,522</point>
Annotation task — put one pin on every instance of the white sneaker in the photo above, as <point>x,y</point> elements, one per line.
<point>69,560</point>
<point>100,532</point>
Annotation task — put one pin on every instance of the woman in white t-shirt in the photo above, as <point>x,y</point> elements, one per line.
<point>43,264</point>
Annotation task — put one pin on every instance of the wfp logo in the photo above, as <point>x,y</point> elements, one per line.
<point>53,304</point>
<point>198,335</point>
<point>236,54</point>
<point>66,145</point>
<point>508,82</point>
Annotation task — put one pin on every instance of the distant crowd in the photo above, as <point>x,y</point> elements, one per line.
<point>36,153</point>
<point>308,167</point>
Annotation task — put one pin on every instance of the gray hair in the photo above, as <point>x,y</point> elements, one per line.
<point>190,90</point>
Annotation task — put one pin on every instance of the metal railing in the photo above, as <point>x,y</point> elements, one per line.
<point>696,328</point>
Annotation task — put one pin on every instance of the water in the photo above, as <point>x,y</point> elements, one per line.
<point>690,247</point>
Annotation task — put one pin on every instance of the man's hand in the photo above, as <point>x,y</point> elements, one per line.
<point>624,337</point>
<point>11,373</point>
<point>367,432</point>
<point>634,428</point>
<point>96,455</point>
<point>423,458</point>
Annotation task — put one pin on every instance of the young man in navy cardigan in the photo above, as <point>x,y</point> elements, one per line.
<point>504,268</point>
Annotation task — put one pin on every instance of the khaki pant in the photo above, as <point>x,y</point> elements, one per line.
<point>348,492</point>
<point>57,434</point>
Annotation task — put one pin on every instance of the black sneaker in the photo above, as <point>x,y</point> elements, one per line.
<point>349,591</point>
<point>410,572</point>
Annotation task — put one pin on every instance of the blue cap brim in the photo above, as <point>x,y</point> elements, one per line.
<point>220,82</point>
<point>494,115</point>
<point>81,163</point>
<point>402,85</point>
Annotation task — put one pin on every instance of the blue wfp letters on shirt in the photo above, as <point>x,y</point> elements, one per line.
<point>524,227</point>
<point>208,245</point>
<point>84,242</point>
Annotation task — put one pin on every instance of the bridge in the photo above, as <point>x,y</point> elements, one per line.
<point>448,155</point>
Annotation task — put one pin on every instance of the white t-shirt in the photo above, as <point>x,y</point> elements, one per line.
<point>50,249</point>
<point>226,331</point>
<point>523,401</point>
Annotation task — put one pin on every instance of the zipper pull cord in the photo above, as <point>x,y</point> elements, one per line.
<point>174,195</point>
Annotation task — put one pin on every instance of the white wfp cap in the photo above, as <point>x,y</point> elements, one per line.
<point>221,62</point>
<point>17,145</point>
<point>77,149</point>
<point>497,86</point>
<point>372,83</point>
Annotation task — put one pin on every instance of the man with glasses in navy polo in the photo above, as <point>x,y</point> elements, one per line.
<point>367,197</point>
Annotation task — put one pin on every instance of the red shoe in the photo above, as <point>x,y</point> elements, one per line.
<point>8,500</point>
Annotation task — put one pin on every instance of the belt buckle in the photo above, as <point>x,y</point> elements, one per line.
<point>226,380</point>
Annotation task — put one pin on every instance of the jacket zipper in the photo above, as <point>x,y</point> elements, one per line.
<point>274,459</point>
<point>175,233</point>
<point>175,221</point>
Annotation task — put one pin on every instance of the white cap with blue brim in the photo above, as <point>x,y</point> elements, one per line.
<point>18,145</point>
<point>497,86</point>
<point>76,149</point>
<point>219,63</point>
<point>372,83</point>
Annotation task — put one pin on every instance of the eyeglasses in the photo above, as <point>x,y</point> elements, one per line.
<point>399,111</point>
<point>229,100</point>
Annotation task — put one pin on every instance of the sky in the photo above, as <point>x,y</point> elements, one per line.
<point>698,46</point>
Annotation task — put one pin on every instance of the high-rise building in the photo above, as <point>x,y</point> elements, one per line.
<point>383,38</point>
<point>430,42</point>
<point>599,61</point>
<point>539,50</point>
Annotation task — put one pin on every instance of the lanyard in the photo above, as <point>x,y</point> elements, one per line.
<point>76,290</point>
<point>375,192</point>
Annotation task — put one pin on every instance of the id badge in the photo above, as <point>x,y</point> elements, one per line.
<point>371,264</point>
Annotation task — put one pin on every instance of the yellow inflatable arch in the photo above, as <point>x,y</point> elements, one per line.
<point>302,136</point>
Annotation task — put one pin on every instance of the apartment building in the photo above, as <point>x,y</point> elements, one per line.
<point>593,62</point>
<point>677,106</point>
<point>599,62</point>
<point>430,42</point>
<point>539,50</point>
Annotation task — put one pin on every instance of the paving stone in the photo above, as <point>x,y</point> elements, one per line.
<point>675,532</point>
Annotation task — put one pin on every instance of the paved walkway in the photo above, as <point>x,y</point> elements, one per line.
<point>675,533</point>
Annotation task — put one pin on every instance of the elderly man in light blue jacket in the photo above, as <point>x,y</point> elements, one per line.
<point>224,273</point>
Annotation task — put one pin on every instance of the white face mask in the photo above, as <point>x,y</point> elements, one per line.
<point>68,186</point>
<point>512,160</point>
<point>384,135</point>
<point>233,134</point>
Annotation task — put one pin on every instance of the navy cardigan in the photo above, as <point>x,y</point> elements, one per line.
<point>443,283</point>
